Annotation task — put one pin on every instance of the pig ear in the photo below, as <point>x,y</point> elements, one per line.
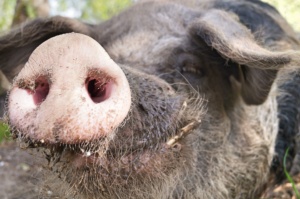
<point>17,45</point>
<point>233,41</point>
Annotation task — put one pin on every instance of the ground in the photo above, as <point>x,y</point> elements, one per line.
<point>283,191</point>
<point>19,173</point>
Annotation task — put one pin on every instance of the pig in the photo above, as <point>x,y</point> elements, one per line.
<point>168,99</point>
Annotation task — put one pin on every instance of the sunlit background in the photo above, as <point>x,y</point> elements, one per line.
<point>15,11</point>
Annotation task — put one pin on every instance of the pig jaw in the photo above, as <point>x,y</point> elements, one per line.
<point>69,94</point>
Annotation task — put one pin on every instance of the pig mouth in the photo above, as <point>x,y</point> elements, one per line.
<point>110,167</point>
<point>110,161</point>
<point>108,157</point>
<point>112,170</point>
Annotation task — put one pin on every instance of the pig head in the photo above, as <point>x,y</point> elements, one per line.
<point>166,100</point>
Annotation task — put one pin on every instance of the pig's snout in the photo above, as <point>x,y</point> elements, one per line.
<point>70,91</point>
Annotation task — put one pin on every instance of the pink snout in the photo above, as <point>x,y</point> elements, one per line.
<point>70,91</point>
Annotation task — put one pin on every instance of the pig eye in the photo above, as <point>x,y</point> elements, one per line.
<point>190,64</point>
<point>197,71</point>
<point>188,67</point>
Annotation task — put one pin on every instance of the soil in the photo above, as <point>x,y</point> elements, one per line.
<point>19,174</point>
<point>283,191</point>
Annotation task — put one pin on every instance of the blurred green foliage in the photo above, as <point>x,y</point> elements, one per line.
<point>90,10</point>
<point>95,10</point>
<point>290,9</point>
<point>7,10</point>
<point>104,9</point>
<point>30,11</point>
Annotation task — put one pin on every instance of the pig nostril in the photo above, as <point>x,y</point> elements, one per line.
<point>99,90</point>
<point>40,91</point>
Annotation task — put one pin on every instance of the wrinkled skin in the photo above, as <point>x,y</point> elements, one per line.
<point>214,68</point>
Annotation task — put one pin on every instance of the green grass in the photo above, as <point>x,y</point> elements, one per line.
<point>4,132</point>
<point>288,176</point>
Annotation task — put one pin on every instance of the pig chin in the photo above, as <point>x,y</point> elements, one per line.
<point>112,167</point>
<point>138,162</point>
<point>110,171</point>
